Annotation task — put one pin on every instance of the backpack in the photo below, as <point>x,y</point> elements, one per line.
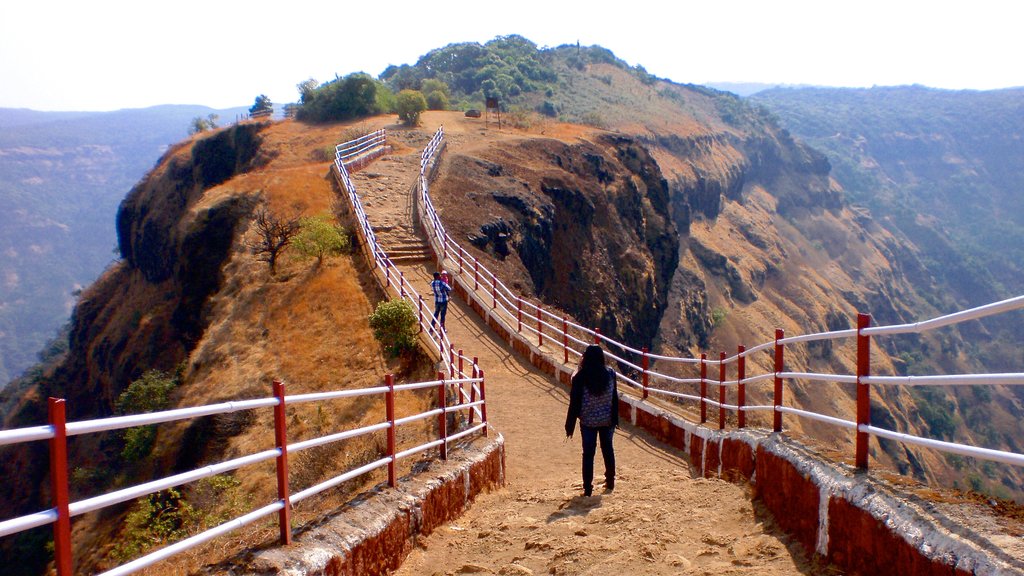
<point>596,410</point>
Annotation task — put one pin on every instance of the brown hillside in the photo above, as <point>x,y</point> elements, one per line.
<point>190,293</point>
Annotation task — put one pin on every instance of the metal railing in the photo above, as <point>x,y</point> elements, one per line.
<point>553,330</point>
<point>58,431</point>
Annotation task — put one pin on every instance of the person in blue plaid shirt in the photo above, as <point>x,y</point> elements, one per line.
<point>441,290</point>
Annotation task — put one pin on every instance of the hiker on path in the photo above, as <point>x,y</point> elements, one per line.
<point>441,290</point>
<point>594,400</point>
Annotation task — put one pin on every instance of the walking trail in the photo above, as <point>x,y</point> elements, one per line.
<point>660,519</point>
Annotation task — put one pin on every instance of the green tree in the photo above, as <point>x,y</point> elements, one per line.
<point>306,89</point>
<point>394,325</point>
<point>200,124</point>
<point>409,105</point>
<point>318,236</point>
<point>262,107</point>
<point>150,393</point>
<point>354,96</point>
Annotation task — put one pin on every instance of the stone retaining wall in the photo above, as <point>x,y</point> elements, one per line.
<point>375,532</point>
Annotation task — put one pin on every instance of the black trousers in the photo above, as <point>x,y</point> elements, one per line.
<point>590,437</point>
<point>440,311</point>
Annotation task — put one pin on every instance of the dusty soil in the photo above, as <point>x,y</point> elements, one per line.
<point>659,520</point>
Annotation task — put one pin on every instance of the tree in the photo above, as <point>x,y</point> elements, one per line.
<point>409,105</point>
<point>353,96</point>
<point>262,107</point>
<point>319,237</point>
<point>274,234</point>
<point>306,89</point>
<point>200,124</point>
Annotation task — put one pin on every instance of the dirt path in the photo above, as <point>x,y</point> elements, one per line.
<point>659,519</point>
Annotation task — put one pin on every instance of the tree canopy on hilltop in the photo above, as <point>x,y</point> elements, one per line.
<point>353,96</point>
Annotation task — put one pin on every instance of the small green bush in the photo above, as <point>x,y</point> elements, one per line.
<point>394,325</point>
<point>150,393</point>
<point>409,104</point>
<point>319,236</point>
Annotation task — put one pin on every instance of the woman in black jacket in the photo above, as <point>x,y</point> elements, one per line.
<point>594,400</point>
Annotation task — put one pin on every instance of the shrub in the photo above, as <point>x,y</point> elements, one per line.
<point>353,96</point>
<point>394,325</point>
<point>150,393</point>
<point>318,236</point>
<point>409,105</point>
<point>437,100</point>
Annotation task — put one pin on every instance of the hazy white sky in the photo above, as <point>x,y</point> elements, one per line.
<point>106,54</point>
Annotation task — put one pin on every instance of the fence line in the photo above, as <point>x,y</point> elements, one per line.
<point>530,320</point>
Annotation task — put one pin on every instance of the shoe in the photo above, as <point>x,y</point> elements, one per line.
<point>588,491</point>
<point>609,484</point>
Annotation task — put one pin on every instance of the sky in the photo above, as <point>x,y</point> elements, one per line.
<point>108,55</point>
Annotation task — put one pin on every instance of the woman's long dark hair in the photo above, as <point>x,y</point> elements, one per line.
<point>592,370</point>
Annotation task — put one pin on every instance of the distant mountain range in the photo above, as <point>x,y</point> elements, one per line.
<point>62,175</point>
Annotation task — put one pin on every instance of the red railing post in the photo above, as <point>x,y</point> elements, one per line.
<point>494,293</point>
<point>420,313</point>
<point>476,274</point>
<point>741,388</point>
<point>540,327</point>
<point>597,335</point>
<point>442,419</point>
<point>451,363</point>
<point>284,516</point>
<point>387,274</point>
<point>519,314</point>
<point>483,398</point>
<point>389,407</point>
<point>780,362</point>
<point>460,259</point>
<point>565,340</point>
<point>644,364</point>
<point>721,390</point>
<point>401,284</point>
<point>472,396</point>
<point>703,388</point>
<point>59,480</point>
<point>863,389</point>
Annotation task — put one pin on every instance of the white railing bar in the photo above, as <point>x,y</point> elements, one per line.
<point>465,433</point>
<point>22,523</point>
<point>316,489</point>
<point>1009,379</point>
<point>417,449</point>
<point>819,417</point>
<point>118,422</point>
<point>661,376</point>
<point>319,396</point>
<point>842,378</point>
<point>674,359</point>
<point>836,335</point>
<point>674,394</point>
<point>337,436</point>
<point>956,317</point>
<point>730,407</point>
<point>19,435</point>
<point>415,417</point>
<point>191,542</point>
<point>974,452</point>
<point>759,377</point>
<point>97,502</point>
<point>629,380</point>
<point>758,408</point>
<point>420,385</point>
<point>758,348</point>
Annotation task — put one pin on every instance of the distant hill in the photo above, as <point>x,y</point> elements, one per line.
<point>943,169</point>
<point>62,175</point>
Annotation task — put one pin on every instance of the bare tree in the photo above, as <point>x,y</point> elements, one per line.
<point>274,235</point>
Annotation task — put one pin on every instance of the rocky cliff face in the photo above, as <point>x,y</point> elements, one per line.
<point>147,311</point>
<point>585,226</point>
